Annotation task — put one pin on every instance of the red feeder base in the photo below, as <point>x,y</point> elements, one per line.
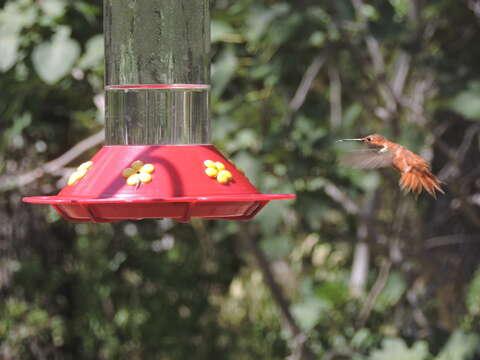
<point>159,181</point>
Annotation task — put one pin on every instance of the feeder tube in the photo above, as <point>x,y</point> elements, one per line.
<point>157,61</point>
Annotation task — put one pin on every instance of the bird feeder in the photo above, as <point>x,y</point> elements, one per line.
<point>157,161</point>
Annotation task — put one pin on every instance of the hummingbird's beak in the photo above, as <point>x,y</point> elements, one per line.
<point>349,140</point>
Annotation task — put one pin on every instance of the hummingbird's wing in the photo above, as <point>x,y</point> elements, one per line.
<point>367,159</point>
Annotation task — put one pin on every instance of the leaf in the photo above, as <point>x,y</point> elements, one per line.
<point>13,18</point>
<point>314,211</point>
<point>309,312</point>
<point>244,139</point>
<point>396,349</point>
<point>473,295</point>
<point>401,8</point>
<point>37,318</point>
<point>260,19</point>
<point>53,8</point>
<point>351,115</point>
<point>54,59</point>
<point>269,220</point>
<point>368,180</point>
<point>392,292</point>
<point>221,31</point>
<point>223,70</point>
<point>460,346</point>
<point>467,102</point>
<point>362,339</point>
<point>17,15</point>
<point>94,53</point>
<point>121,317</point>
<point>20,123</point>
<point>317,38</point>
<point>276,246</point>
<point>9,50</point>
<point>334,292</point>
<point>281,31</point>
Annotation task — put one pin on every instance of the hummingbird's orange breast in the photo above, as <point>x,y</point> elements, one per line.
<point>416,174</point>
<point>404,160</point>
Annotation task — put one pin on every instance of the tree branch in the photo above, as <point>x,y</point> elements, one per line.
<point>453,169</point>
<point>335,96</point>
<point>340,197</point>
<point>306,82</point>
<point>361,258</point>
<point>402,68</point>
<point>373,48</point>
<point>374,293</point>
<point>52,167</point>
<point>360,265</point>
<point>299,343</point>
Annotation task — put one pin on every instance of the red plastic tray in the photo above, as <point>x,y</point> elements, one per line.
<point>178,187</point>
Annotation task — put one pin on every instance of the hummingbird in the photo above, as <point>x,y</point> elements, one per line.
<point>381,153</point>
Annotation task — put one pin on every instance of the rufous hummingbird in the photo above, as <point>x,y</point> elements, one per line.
<point>415,171</point>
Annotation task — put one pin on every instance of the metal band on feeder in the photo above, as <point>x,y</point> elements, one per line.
<point>157,161</point>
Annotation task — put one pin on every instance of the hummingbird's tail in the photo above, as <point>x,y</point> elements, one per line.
<point>417,180</point>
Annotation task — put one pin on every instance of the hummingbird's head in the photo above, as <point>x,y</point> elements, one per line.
<point>373,140</point>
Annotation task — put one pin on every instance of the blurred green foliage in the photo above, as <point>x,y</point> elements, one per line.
<point>408,69</point>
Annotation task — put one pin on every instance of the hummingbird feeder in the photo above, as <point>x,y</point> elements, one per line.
<point>157,161</point>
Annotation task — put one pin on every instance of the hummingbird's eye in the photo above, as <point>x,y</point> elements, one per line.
<point>369,139</point>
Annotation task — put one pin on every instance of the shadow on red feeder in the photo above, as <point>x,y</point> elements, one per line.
<point>176,186</point>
